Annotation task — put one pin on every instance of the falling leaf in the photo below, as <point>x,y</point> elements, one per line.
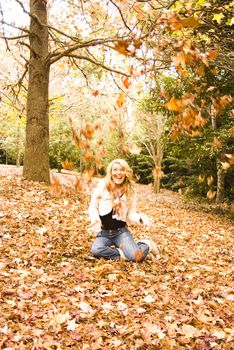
<point>210,180</point>
<point>95,93</point>
<point>137,43</point>
<point>67,164</point>
<point>211,194</point>
<point>216,143</point>
<point>174,104</point>
<point>122,47</point>
<point>121,100</point>
<point>56,187</point>
<point>225,165</point>
<point>231,158</point>
<point>126,82</point>
<point>190,22</point>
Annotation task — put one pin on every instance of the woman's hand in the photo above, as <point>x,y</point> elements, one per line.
<point>146,221</point>
<point>95,227</point>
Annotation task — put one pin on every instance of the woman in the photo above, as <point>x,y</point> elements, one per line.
<point>112,206</point>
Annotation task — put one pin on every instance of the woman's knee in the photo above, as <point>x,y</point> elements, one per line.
<point>96,250</point>
<point>135,256</point>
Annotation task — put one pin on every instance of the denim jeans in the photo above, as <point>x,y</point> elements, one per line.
<point>106,242</point>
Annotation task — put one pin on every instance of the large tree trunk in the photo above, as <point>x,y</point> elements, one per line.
<point>36,161</point>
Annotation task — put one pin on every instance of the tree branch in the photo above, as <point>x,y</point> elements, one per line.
<point>96,63</point>
<point>95,42</point>
<point>14,37</point>
<point>121,15</point>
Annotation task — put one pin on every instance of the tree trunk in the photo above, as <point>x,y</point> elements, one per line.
<point>220,182</point>
<point>157,174</point>
<point>18,144</point>
<point>36,160</point>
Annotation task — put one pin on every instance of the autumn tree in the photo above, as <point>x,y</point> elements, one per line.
<point>197,44</point>
<point>47,45</point>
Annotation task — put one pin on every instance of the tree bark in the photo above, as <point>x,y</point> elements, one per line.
<point>36,160</point>
<point>220,182</point>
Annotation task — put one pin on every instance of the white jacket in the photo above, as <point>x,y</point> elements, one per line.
<point>101,204</point>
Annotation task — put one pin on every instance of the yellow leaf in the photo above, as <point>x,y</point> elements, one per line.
<point>218,17</point>
<point>210,180</point>
<point>121,100</point>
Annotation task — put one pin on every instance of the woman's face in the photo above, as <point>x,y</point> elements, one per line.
<point>118,174</point>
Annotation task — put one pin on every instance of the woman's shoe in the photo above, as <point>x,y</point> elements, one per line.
<point>153,247</point>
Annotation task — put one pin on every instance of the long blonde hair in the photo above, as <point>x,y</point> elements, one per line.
<point>128,184</point>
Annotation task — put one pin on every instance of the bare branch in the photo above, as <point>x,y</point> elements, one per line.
<point>3,28</point>
<point>81,70</point>
<point>57,55</point>
<point>120,12</point>
<point>13,37</point>
<point>96,63</point>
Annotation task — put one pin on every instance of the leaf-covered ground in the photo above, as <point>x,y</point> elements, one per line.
<point>54,295</point>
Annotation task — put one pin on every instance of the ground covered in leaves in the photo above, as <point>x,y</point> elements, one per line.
<point>54,295</point>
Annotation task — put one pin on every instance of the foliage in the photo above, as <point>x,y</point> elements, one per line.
<point>55,295</point>
<point>62,148</point>
<point>142,165</point>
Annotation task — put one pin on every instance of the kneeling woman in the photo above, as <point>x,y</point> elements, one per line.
<point>112,206</point>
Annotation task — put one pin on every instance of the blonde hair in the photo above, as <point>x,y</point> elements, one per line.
<point>128,184</point>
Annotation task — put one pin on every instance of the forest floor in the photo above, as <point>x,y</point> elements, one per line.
<point>55,295</point>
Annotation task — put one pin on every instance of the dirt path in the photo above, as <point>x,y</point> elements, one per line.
<point>54,295</point>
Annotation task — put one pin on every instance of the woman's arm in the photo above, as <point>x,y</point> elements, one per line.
<point>137,218</point>
<point>93,211</point>
<point>132,215</point>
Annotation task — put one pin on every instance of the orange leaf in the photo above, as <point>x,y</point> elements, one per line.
<point>56,187</point>
<point>231,158</point>
<point>137,43</point>
<point>78,185</point>
<point>210,180</point>
<point>122,47</point>
<point>216,143</point>
<point>67,164</point>
<point>90,172</point>
<point>95,93</point>
<point>88,156</point>
<point>174,104</point>
<point>190,22</point>
<point>211,194</point>
<point>212,54</point>
<point>88,131</point>
<point>126,82</point>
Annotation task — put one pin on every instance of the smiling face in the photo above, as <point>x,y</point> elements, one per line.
<point>118,174</point>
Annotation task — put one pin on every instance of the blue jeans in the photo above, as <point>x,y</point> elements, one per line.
<point>106,242</point>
